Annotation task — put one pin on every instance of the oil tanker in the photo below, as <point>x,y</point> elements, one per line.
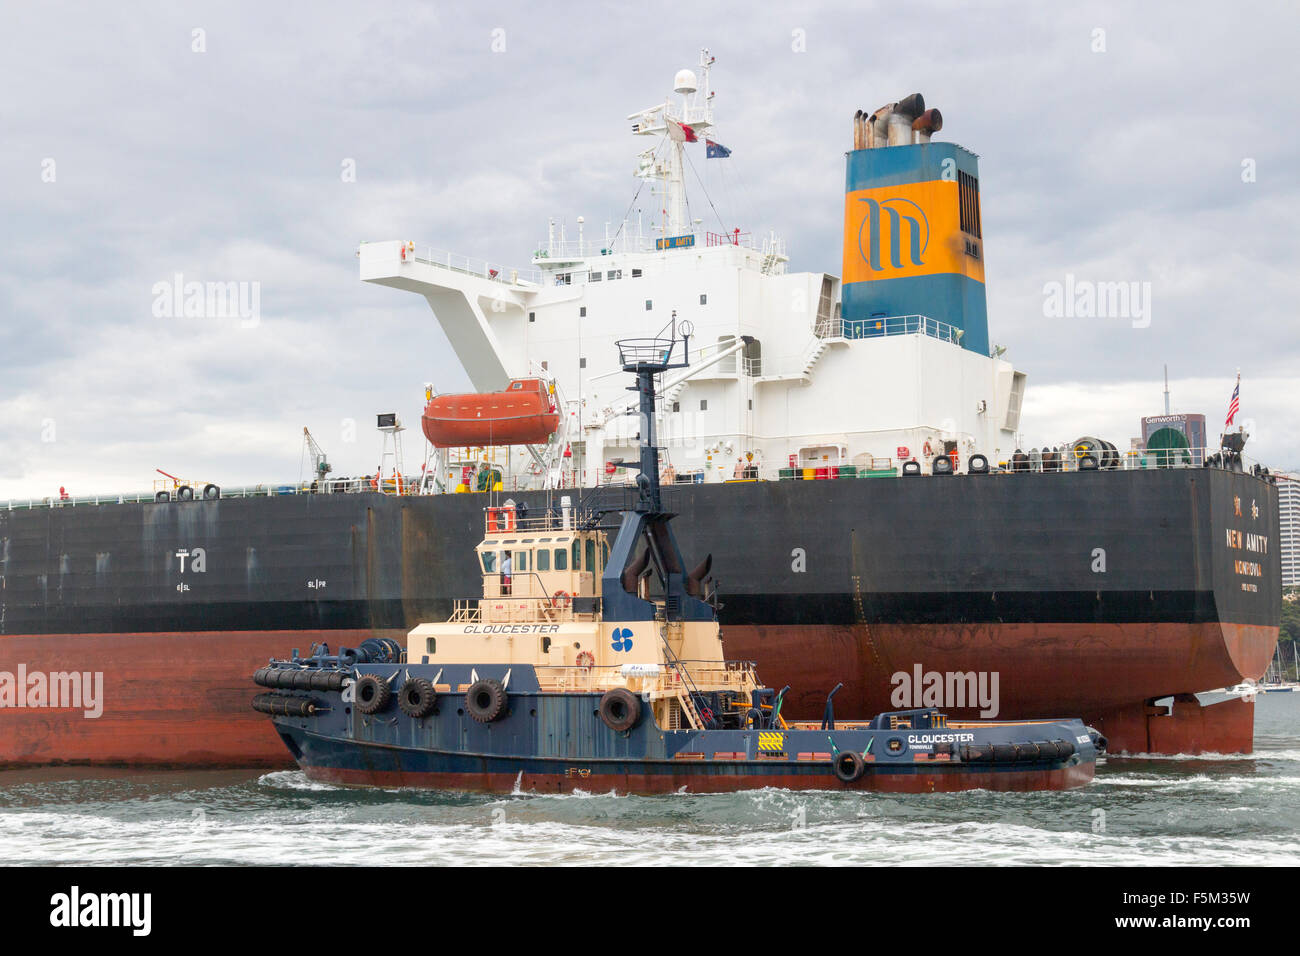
<point>845,446</point>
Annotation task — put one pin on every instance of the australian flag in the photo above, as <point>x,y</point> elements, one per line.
<point>714,150</point>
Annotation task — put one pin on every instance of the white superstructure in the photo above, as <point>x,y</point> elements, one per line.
<point>795,383</point>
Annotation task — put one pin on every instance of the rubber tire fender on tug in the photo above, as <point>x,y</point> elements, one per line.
<point>620,709</point>
<point>417,697</point>
<point>848,765</point>
<point>485,700</point>
<point>372,694</point>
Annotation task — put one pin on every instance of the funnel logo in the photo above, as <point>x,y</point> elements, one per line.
<point>622,639</point>
<point>900,214</point>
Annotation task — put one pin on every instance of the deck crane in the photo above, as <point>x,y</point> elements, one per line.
<point>319,466</point>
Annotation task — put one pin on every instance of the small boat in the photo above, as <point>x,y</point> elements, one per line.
<point>597,664</point>
<point>523,413</point>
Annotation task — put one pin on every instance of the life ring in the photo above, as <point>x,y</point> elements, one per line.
<point>561,599</point>
<point>485,700</point>
<point>620,709</point>
<point>372,694</point>
<point>586,659</point>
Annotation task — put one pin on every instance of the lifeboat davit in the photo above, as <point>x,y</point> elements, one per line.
<point>522,413</point>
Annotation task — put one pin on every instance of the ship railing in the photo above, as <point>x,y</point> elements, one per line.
<point>482,268</point>
<point>882,326</point>
<point>628,238</point>
<point>500,519</point>
<point>670,681</point>
<point>564,678</point>
<point>715,675</point>
<point>1194,456</point>
<point>526,601</point>
<point>743,240</point>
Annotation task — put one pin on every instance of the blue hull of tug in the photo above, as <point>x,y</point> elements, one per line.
<point>550,742</point>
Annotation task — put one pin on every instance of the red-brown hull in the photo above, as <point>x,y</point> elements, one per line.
<point>1104,673</point>
<point>1062,779</point>
<point>169,700</point>
<point>183,699</point>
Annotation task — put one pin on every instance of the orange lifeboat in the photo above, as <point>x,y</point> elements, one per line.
<point>521,414</point>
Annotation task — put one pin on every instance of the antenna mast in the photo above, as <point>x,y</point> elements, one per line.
<point>693,117</point>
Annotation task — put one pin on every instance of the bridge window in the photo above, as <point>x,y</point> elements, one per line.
<point>636,273</point>
<point>544,559</point>
<point>521,560</point>
<point>577,555</point>
<point>561,559</point>
<point>604,553</point>
<point>591,555</point>
<point>593,277</point>
<point>489,562</point>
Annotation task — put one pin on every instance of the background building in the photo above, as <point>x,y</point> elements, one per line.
<point>1288,501</point>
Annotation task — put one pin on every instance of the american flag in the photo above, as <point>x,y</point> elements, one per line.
<point>1234,405</point>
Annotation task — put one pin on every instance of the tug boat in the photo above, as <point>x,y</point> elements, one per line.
<point>598,665</point>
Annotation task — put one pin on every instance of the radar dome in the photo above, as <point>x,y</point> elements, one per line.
<point>685,82</point>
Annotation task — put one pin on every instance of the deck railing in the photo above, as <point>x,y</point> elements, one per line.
<point>482,268</point>
<point>881,326</point>
<point>620,494</point>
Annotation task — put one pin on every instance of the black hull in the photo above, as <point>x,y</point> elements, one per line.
<point>851,579</point>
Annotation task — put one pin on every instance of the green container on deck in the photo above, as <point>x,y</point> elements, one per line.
<point>848,471</point>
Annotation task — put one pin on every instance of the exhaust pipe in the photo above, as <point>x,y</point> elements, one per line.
<point>931,121</point>
<point>896,124</point>
<point>926,125</point>
<point>911,106</point>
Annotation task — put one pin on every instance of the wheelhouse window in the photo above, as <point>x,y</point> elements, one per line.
<point>591,555</point>
<point>543,559</point>
<point>561,559</point>
<point>577,555</point>
<point>489,562</point>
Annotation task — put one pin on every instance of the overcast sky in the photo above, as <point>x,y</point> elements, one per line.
<point>1115,144</point>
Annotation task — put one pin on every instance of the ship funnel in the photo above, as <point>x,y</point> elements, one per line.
<point>912,241</point>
